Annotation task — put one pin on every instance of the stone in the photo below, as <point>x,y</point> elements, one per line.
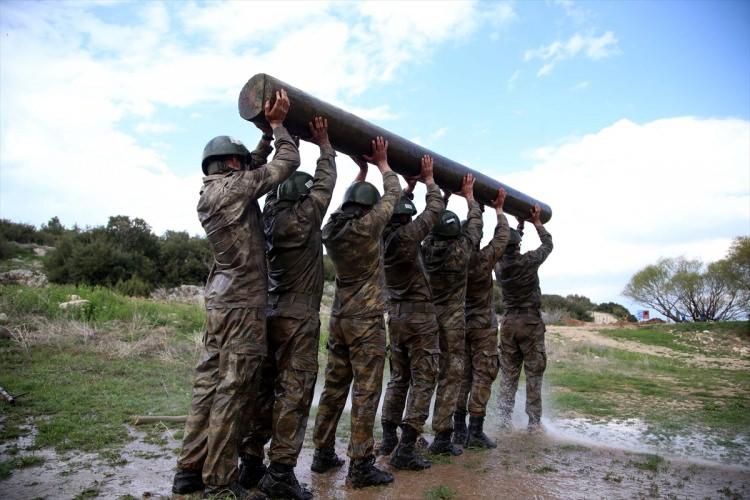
<point>5,333</point>
<point>25,277</point>
<point>73,304</point>
<point>3,318</point>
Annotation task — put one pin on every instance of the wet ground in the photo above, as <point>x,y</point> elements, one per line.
<point>556,464</point>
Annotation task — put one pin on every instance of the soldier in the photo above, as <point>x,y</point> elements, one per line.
<point>356,343</point>
<point>522,329</point>
<point>481,357</point>
<point>412,324</point>
<point>294,249</point>
<point>235,296</point>
<point>446,254</point>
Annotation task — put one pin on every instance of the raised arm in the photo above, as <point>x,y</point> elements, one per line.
<point>474,221</point>
<point>540,254</point>
<point>259,156</point>
<point>418,229</point>
<point>325,173</point>
<point>495,248</point>
<point>381,212</point>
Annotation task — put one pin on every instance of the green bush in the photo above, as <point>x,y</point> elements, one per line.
<point>134,287</point>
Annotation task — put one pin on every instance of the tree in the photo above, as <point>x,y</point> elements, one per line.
<point>617,310</point>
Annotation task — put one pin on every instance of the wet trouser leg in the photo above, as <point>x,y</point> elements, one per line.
<point>234,347</point>
<point>511,359</point>
<point>414,365</point>
<point>482,345</point>
<point>258,415</point>
<point>450,378</point>
<point>534,364</point>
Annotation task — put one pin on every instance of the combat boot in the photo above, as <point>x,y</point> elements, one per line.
<point>442,445</point>
<point>251,471</point>
<point>477,438</point>
<point>280,482</point>
<point>233,491</point>
<point>535,426</point>
<point>459,427</point>
<point>390,439</point>
<point>325,459</point>
<point>187,481</point>
<point>405,457</point>
<point>363,473</point>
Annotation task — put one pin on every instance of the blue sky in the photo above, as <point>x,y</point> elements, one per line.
<point>631,119</point>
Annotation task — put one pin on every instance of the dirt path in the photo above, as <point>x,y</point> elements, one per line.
<point>591,335</point>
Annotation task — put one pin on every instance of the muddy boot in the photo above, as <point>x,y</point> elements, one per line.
<point>535,426</point>
<point>187,481</point>
<point>251,471</point>
<point>325,459</point>
<point>405,457</point>
<point>233,491</point>
<point>390,439</point>
<point>477,438</point>
<point>422,443</point>
<point>280,482</point>
<point>459,427</point>
<point>442,445</point>
<point>363,473</point>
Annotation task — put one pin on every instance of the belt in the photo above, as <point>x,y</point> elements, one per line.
<point>293,298</point>
<point>412,307</point>
<point>523,310</point>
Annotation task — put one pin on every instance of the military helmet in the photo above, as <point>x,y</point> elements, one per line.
<point>404,206</point>
<point>362,193</point>
<point>222,145</point>
<point>295,187</point>
<point>514,238</point>
<point>449,225</point>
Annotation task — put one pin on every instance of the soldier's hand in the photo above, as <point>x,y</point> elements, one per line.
<point>379,154</point>
<point>536,213</point>
<point>467,187</point>
<point>319,132</point>
<point>411,182</point>
<point>362,164</point>
<point>427,168</point>
<point>264,127</point>
<point>276,114</point>
<point>499,201</point>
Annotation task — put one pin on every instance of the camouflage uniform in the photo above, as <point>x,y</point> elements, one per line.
<point>235,296</point>
<point>295,285</point>
<point>412,324</point>
<point>522,329</point>
<point>481,356</point>
<point>447,262</point>
<point>356,342</point>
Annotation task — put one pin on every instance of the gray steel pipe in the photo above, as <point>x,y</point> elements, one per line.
<point>352,135</point>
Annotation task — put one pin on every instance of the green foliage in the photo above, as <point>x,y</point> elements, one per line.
<point>134,287</point>
<point>183,259</point>
<point>576,306</point>
<point>617,310</point>
<point>440,493</point>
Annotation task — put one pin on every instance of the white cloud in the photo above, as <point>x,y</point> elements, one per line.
<point>589,46</point>
<point>154,128</point>
<point>631,193</point>
<point>511,85</point>
<point>580,86</point>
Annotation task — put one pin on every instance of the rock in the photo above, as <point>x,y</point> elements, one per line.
<point>26,277</point>
<point>73,304</point>
<point>3,318</point>
<point>74,297</point>
<point>190,294</point>
<point>5,333</point>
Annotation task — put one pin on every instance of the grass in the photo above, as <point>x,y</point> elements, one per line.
<point>440,493</point>
<point>8,466</point>
<point>652,463</point>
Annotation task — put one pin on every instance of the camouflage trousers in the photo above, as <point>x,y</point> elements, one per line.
<point>234,346</point>
<point>414,364</point>
<point>522,342</point>
<point>481,364</point>
<point>356,356</point>
<point>280,408</point>
<point>450,375</point>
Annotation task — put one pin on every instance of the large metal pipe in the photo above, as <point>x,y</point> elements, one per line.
<point>352,135</point>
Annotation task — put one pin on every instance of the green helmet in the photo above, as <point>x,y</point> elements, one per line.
<point>295,187</point>
<point>449,225</point>
<point>405,206</point>
<point>361,193</point>
<point>222,145</point>
<point>514,238</point>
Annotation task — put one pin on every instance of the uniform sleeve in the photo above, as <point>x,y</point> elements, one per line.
<point>256,183</point>
<point>324,180</point>
<point>375,220</point>
<point>259,156</point>
<point>474,224</point>
<point>420,227</point>
<point>495,248</point>
<point>540,254</point>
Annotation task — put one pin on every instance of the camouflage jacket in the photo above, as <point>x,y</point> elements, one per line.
<point>518,275</point>
<point>229,212</point>
<point>294,248</point>
<point>480,301</point>
<point>356,250</point>
<point>447,262</point>
<point>405,275</point>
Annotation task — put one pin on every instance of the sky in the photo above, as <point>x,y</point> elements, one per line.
<point>630,119</point>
